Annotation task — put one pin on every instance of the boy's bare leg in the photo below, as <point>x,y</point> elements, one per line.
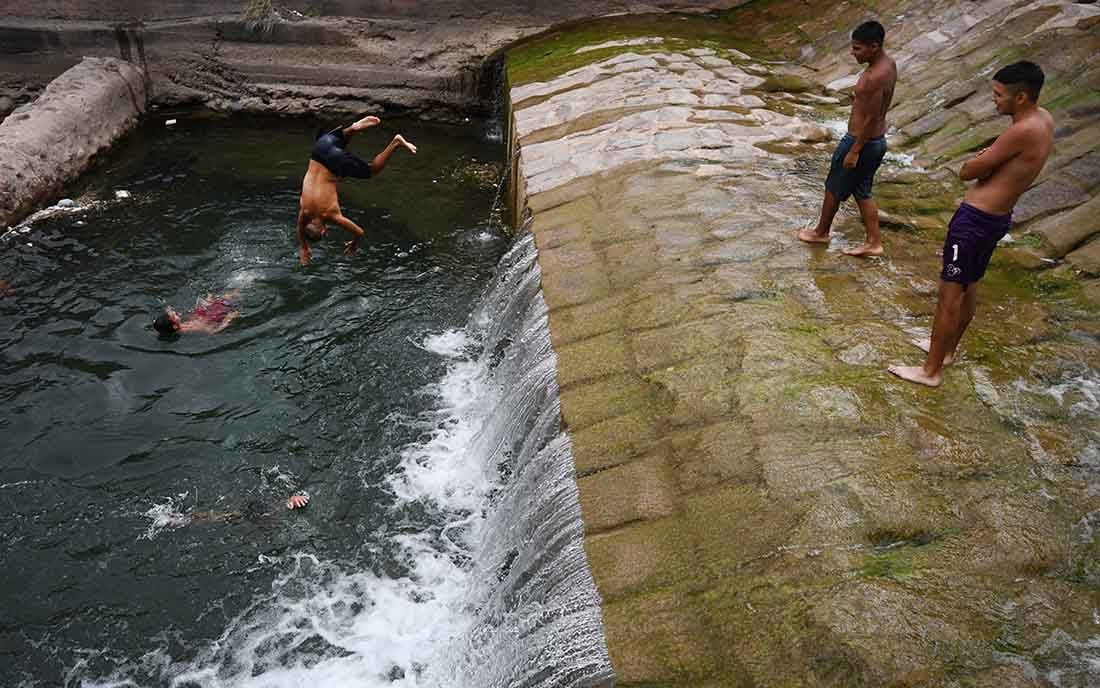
<point>946,331</point>
<point>820,234</point>
<point>925,345</point>
<point>868,211</point>
<point>365,123</point>
<point>379,162</point>
<point>969,308</point>
<point>349,246</point>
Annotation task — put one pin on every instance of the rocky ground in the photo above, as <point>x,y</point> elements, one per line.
<point>765,505</point>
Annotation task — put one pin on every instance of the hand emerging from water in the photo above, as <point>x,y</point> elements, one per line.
<point>350,247</point>
<point>851,160</point>
<point>297,501</point>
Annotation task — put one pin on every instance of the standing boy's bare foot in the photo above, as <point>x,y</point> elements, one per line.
<point>810,236</point>
<point>366,123</point>
<point>926,344</point>
<point>916,374</point>
<point>401,140</point>
<point>864,251</point>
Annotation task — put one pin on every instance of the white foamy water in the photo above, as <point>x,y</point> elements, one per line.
<point>166,515</point>
<point>839,127</point>
<point>450,344</point>
<point>497,595</point>
<point>1080,395</point>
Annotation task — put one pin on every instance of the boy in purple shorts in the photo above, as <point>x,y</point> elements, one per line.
<point>862,149</point>
<point>1003,172</point>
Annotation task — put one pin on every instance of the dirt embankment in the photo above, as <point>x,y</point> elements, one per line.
<point>51,141</point>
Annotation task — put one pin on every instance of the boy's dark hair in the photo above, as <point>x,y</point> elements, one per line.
<point>163,324</point>
<point>1022,76</point>
<point>870,32</point>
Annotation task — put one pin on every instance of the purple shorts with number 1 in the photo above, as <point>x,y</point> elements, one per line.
<point>971,238</point>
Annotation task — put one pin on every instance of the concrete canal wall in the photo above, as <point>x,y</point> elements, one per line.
<point>50,142</point>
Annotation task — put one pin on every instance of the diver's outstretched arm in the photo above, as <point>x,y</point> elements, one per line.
<point>304,252</point>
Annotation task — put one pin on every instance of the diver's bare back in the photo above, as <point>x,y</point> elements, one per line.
<point>319,198</point>
<point>1032,139</point>
<point>882,77</point>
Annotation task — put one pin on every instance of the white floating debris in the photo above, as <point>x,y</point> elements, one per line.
<point>66,203</point>
<point>79,223</point>
<point>1006,239</point>
<point>169,122</point>
<point>122,193</point>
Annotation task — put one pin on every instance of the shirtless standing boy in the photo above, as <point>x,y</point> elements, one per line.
<point>862,149</point>
<point>1003,172</point>
<point>329,162</point>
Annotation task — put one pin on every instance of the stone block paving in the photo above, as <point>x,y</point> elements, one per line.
<point>764,505</point>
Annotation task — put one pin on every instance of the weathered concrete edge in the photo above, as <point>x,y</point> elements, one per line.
<point>50,142</point>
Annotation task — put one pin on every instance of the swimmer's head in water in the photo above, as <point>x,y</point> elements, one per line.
<point>316,230</point>
<point>168,322</point>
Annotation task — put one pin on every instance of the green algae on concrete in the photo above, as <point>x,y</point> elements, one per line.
<point>544,57</point>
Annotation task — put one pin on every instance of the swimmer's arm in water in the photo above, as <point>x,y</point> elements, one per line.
<point>304,253</point>
<point>230,317</point>
<point>297,500</point>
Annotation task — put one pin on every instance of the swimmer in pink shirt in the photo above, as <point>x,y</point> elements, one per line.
<point>210,315</point>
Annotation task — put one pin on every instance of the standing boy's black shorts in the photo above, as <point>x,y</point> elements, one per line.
<point>330,150</point>
<point>971,238</point>
<point>843,182</point>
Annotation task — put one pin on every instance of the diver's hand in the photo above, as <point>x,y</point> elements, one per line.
<point>304,254</point>
<point>350,247</point>
<point>297,501</point>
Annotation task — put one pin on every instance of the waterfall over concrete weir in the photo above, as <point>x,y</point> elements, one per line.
<point>536,620</point>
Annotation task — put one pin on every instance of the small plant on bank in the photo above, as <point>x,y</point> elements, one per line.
<point>260,16</point>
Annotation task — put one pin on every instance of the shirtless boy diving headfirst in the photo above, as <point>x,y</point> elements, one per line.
<point>1003,172</point>
<point>329,162</point>
<point>861,151</point>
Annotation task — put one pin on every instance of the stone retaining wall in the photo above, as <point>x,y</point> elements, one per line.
<point>421,58</point>
<point>50,142</point>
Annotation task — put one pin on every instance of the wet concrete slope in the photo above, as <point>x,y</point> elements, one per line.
<point>764,504</point>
